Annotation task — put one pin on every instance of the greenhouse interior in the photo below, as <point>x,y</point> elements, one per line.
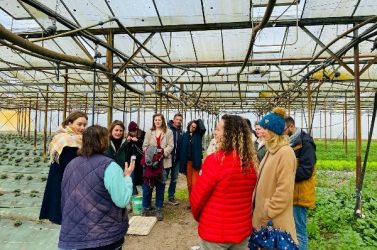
<point>128,60</point>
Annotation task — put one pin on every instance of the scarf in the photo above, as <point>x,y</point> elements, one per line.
<point>294,137</point>
<point>117,143</point>
<point>64,137</point>
<point>260,142</point>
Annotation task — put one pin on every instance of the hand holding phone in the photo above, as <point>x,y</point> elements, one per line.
<point>133,158</point>
<point>128,169</point>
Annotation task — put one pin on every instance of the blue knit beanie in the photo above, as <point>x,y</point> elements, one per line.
<point>274,121</point>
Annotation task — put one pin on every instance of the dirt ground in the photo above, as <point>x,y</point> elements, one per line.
<point>177,231</point>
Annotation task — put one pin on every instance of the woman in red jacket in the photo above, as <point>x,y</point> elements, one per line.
<point>221,199</point>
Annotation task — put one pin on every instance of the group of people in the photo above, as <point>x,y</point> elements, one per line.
<point>94,172</point>
<point>249,188</point>
<point>242,186</point>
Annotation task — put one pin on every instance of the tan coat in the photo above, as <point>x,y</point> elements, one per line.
<point>167,143</point>
<point>274,191</point>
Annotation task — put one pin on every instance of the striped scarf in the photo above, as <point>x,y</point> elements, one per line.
<point>65,137</point>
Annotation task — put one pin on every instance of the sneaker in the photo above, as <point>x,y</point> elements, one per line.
<point>159,214</point>
<point>173,201</point>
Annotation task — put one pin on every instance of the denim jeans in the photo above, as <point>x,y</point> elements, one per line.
<point>147,194</point>
<point>299,213</point>
<point>173,171</point>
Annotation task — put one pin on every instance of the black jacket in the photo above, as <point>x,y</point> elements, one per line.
<point>304,148</point>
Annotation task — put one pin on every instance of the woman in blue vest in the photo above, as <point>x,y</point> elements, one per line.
<point>63,148</point>
<point>95,191</point>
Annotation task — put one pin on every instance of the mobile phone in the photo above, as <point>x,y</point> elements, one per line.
<point>133,158</point>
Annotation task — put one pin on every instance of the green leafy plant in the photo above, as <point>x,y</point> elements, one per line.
<point>18,176</point>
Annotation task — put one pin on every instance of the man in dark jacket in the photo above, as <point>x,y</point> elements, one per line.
<point>176,127</point>
<point>304,192</point>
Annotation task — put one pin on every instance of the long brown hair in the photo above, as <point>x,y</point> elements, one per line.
<point>237,137</point>
<point>73,116</point>
<point>112,126</point>
<point>94,141</point>
<point>163,122</point>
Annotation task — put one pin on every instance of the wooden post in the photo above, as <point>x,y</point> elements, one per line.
<point>357,113</point>
<point>29,125</point>
<point>44,154</point>
<point>330,113</point>
<point>320,124</point>
<point>159,90</point>
<point>49,131</point>
<point>138,111</point>
<point>36,124</point>
<point>309,109</point>
<point>58,122</point>
<point>346,124</point>
<point>25,121</point>
<point>124,107</point>
<point>325,126</point>
<point>110,87</point>
<point>65,94</point>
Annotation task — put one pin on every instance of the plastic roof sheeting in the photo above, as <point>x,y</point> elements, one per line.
<point>210,37</point>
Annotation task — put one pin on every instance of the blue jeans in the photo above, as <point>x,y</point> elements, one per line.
<point>299,213</point>
<point>147,194</point>
<point>173,171</point>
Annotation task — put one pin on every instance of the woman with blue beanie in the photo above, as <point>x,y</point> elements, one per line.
<point>273,198</point>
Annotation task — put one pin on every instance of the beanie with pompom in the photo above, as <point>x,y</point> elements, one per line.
<point>274,121</point>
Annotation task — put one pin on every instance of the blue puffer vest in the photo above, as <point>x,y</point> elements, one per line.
<point>90,218</point>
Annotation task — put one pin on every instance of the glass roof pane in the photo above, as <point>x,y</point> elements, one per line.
<point>179,12</point>
<point>324,8</point>
<point>236,43</point>
<point>18,25</point>
<point>135,13</point>
<point>11,56</point>
<point>14,9</point>
<point>64,45</point>
<point>45,20</point>
<point>127,45</point>
<point>300,44</point>
<point>208,45</point>
<point>182,49</point>
<point>89,12</point>
<point>366,8</point>
<point>226,11</point>
<point>268,37</point>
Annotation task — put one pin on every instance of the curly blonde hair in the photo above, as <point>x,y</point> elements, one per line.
<point>237,137</point>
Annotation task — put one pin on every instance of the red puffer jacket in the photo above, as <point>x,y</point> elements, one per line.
<point>221,199</point>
